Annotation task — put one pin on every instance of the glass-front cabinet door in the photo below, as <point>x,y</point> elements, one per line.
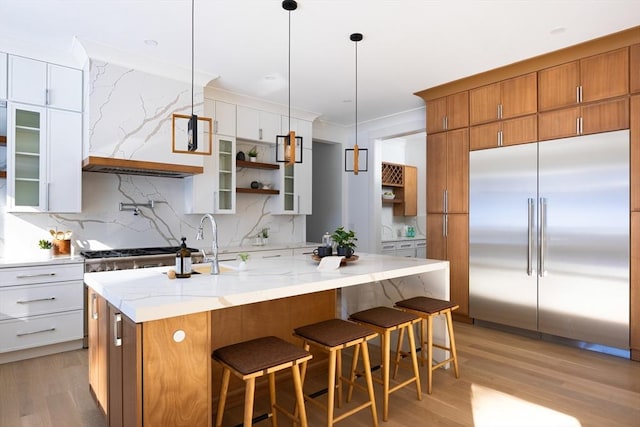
<point>26,155</point>
<point>225,201</point>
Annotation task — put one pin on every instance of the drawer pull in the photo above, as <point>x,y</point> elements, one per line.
<point>24,334</point>
<point>271,256</point>
<point>117,336</point>
<point>27,301</point>
<point>28,276</point>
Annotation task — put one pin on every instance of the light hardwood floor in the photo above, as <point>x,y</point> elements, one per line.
<point>506,380</point>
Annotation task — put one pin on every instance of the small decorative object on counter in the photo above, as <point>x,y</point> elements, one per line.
<point>240,156</point>
<point>255,185</point>
<point>345,241</point>
<point>244,256</point>
<point>264,234</point>
<point>183,261</point>
<point>44,244</point>
<point>326,239</point>
<point>253,154</point>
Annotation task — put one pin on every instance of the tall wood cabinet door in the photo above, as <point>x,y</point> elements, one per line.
<point>177,371</point>
<point>458,110</point>
<point>98,321</point>
<point>436,115</point>
<point>483,104</point>
<point>522,130</point>
<point>436,171</point>
<point>458,171</point>
<point>605,76</point>
<point>635,153</point>
<point>437,243</point>
<point>634,68</point>
<point>409,204</point>
<point>559,124</point>
<point>519,96</point>
<point>558,86</point>
<point>605,116</point>
<point>635,287</point>
<point>484,136</point>
<point>458,256</point>
<point>114,416</point>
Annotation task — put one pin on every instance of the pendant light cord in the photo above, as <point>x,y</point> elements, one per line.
<point>356,126</point>
<point>289,72</point>
<point>192,50</point>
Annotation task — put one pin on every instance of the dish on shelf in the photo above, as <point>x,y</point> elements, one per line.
<point>388,195</point>
<point>345,261</point>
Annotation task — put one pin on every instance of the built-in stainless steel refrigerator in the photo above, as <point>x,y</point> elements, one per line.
<point>549,237</point>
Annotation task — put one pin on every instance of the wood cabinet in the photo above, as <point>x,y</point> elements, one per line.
<point>635,287</point>
<point>520,130</point>
<point>448,113</point>
<point>39,83</point>
<point>503,100</point>
<point>584,120</point>
<point>257,125</point>
<point>97,322</point>
<point>634,68</point>
<point>590,79</point>
<point>448,239</point>
<point>448,172</point>
<point>403,182</point>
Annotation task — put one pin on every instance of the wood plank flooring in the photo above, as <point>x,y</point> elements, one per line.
<point>506,380</point>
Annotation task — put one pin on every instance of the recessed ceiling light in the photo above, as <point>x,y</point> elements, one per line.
<point>557,30</point>
<point>151,43</point>
<point>346,101</point>
<point>270,77</point>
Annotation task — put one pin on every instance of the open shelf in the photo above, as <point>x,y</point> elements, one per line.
<point>391,201</point>
<point>3,140</point>
<point>256,191</point>
<point>256,165</point>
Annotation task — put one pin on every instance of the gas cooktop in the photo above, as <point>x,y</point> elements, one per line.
<point>132,252</point>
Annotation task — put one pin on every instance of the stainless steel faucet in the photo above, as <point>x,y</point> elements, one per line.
<point>215,267</point>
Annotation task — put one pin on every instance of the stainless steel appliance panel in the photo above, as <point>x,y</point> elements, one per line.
<point>502,252</point>
<point>583,289</point>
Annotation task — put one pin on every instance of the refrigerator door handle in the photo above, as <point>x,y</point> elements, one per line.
<point>530,238</point>
<point>542,235</point>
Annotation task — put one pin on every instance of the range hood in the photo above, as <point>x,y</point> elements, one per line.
<point>137,167</point>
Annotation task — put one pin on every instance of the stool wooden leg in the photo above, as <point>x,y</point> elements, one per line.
<point>423,341</point>
<point>331,389</point>
<point>301,411</point>
<point>272,399</point>
<point>414,361</point>
<point>249,391</point>
<point>367,373</point>
<point>226,374</point>
<point>429,352</point>
<point>386,349</point>
<point>398,351</point>
<point>354,372</point>
<point>452,344</point>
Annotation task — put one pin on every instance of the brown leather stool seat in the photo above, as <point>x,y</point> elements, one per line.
<point>428,308</point>
<point>255,358</point>
<point>333,336</point>
<point>385,320</point>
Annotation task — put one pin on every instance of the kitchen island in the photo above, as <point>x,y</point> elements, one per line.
<point>151,364</point>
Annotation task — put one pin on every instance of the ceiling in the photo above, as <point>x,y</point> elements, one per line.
<point>408,46</point>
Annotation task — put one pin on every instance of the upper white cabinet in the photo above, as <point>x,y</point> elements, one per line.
<point>36,82</point>
<point>224,117</point>
<point>3,75</point>
<point>44,151</point>
<point>257,125</point>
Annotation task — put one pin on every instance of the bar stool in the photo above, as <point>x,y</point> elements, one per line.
<point>333,336</point>
<point>385,320</point>
<point>427,308</point>
<point>253,359</point>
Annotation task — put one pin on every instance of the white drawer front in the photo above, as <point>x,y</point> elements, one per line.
<point>18,334</point>
<point>13,276</point>
<point>33,300</point>
<point>270,254</point>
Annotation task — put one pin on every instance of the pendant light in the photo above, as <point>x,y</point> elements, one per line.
<point>192,128</point>
<point>355,157</point>
<point>289,147</point>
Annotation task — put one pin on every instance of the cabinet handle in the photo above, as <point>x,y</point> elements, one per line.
<point>581,93</point>
<point>117,337</point>
<point>47,95</point>
<point>29,276</point>
<point>271,256</point>
<point>445,123</point>
<point>499,111</point>
<point>260,134</point>
<point>24,334</point>
<point>445,198</point>
<point>94,306</point>
<point>215,126</point>
<point>445,225</point>
<point>27,301</point>
<point>405,246</point>
<point>581,125</point>
<point>388,247</point>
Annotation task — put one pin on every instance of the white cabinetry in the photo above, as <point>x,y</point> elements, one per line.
<point>3,75</point>
<point>224,117</point>
<point>257,125</point>
<point>44,151</point>
<point>40,306</point>
<point>214,191</point>
<point>40,83</point>
<point>405,248</point>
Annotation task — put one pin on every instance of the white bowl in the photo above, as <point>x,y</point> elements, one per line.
<point>388,196</point>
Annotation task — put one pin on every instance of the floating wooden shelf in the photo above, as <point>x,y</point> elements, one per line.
<point>391,201</point>
<point>3,174</point>
<point>256,165</point>
<point>3,140</point>
<point>256,191</point>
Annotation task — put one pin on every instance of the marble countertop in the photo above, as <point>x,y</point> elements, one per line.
<point>148,294</point>
<point>42,259</point>
<point>403,238</point>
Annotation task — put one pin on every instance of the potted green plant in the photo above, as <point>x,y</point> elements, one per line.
<point>253,154</point>
<point>44,244</point>
<point>345,241</point>
<point>244,256</point>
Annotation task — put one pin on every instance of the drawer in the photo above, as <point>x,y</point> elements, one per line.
<point>270,254</point>
<point>33,300</point>
<point>18,334</point>
<point>388,248</point>
<point>13,276</point>
<point>305,251</point>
